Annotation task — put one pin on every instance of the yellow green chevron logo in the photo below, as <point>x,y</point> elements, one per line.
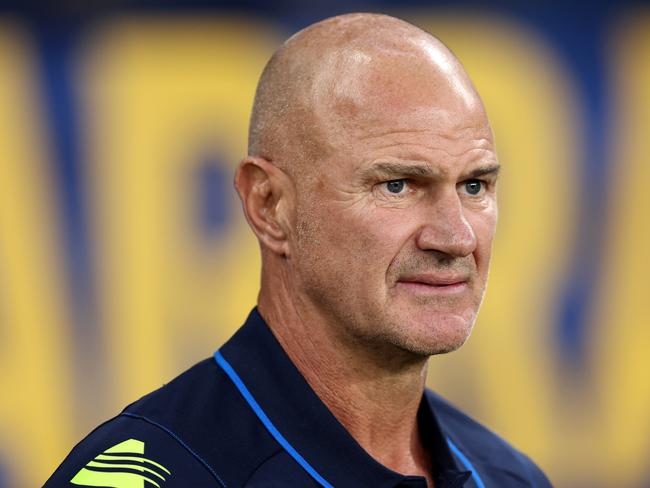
<point>122,466</point>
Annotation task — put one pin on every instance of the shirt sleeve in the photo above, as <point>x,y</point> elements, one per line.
<point>131,451</point>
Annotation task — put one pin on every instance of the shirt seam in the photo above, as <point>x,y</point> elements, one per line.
<point>180,441</point>
<point>262,463</point>
<point>488,465</point>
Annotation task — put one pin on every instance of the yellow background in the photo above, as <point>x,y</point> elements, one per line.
<point>157,93</point>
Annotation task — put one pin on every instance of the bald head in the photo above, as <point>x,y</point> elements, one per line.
<point>371,165</point>
<point>327,76</point>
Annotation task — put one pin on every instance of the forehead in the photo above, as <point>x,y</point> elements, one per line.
<point>408,125</point>
<point>384,94</point>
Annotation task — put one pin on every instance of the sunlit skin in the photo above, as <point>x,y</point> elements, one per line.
<point>371,185</point>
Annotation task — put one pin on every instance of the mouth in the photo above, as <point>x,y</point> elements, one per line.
<point>436,285</point>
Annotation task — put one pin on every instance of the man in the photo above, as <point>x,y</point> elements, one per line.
<point>371,186</point>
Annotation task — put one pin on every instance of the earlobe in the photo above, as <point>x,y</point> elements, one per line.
<point>262,188</point>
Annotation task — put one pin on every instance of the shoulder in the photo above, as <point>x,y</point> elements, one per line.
<point>129,449</point>
<point>480,449</point>
<point>194,431</point>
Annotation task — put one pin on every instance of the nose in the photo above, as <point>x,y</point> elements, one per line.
<point>447,230</point>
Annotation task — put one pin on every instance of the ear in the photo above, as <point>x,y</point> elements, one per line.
<point>266,193</point>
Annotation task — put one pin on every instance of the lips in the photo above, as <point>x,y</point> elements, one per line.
<point>435,280</point>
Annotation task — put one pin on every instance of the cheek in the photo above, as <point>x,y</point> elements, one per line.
<point>352,243</point>
<point>381,234</point>
<point>484,226</point>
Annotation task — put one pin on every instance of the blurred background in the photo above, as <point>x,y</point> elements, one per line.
<point>124,257</point>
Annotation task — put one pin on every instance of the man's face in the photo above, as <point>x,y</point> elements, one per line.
<point>395,225</point>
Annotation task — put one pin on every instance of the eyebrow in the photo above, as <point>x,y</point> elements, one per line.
<point>400,169</point>
<point>490,169</point>
<point>422,171</point>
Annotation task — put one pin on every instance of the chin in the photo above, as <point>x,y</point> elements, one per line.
<point>439,334</point>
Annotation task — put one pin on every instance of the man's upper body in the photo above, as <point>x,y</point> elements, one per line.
<point>370,184</point>
<point>247,418</point>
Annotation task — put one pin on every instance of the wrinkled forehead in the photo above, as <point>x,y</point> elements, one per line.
<point>416,86</point>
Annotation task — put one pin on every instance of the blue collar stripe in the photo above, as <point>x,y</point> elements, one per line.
<point>234,377</point>
<point>466,462</point>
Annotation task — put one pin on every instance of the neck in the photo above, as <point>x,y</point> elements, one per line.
<point>376,397</point>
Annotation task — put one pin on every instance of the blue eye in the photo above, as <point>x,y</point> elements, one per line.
<point>395,186</point>
<point>473,187</point>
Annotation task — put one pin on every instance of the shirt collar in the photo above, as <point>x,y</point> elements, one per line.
<point>299,415</point>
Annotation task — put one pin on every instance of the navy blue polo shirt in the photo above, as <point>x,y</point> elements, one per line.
<point>247,418</point>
